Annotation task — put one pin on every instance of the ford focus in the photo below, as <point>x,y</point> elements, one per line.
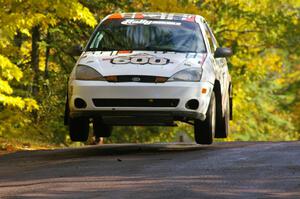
<point>150,69</point>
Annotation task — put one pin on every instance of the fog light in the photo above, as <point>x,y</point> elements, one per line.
<point>79,103</point>
<point>192,104</point>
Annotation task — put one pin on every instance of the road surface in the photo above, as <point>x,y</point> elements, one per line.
<point>223,170</point>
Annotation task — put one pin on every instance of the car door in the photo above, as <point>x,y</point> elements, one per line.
<point>221,66</point>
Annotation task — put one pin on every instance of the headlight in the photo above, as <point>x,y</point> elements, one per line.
<point>87,73</point>
<point>189,75</point>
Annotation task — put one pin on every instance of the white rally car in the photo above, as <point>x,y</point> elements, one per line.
<point>150,69</point>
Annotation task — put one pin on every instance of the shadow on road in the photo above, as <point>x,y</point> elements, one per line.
<point>104,150</point>
<point>222,170</point>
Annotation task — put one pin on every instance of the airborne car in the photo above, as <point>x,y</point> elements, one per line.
<point>150,69</point>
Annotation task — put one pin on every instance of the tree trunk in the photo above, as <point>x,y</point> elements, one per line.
<point>47,53</point>
<point>35,59</point>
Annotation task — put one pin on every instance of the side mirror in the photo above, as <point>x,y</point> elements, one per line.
<point>223,52</point>
<point>76,50</point>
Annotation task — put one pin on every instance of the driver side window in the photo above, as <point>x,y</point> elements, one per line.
<point>212,41</point>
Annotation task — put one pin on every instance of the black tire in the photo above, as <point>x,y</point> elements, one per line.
<point>222,129</point>
<point>230,103</point>
<point>101,129</point>
<point>79,129</point>
<point>205,130</point>
<point>231,108</point>
<point>67,111</point>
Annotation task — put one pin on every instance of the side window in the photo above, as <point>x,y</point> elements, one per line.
<point>98,37</point>
<point>216,44</point>
<point>212,41</point>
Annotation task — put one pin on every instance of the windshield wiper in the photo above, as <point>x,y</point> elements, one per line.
<point>143,49</point>
<point>168,50</point>
<point>101,49</point>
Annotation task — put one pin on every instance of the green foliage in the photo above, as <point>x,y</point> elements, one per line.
<point>260,32</point>
<point>17,18</point>
<point>265,68</point>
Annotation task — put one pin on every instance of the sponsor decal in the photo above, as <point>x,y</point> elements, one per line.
<point>149,22</point>
<point>142,58</point>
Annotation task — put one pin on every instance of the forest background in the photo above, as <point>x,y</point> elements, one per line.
<point>35,60</point>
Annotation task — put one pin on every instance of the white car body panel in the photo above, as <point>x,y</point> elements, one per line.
<point>131,90</point>
<point>101,61</point>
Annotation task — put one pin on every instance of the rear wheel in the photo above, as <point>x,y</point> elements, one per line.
<point>222,129</point>
<point>205,130</point>
<point>79,129</point>
<point>101,129</point>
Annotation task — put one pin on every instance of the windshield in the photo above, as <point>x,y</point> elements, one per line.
<point>142,34</point>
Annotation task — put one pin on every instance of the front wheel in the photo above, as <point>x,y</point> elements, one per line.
<point>79,129</point>
<point>205,130</point>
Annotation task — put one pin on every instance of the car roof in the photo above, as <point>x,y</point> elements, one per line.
<point>155,15</point>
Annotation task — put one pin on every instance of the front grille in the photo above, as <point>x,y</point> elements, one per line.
<point>130,78</point>
<point>135,102</point>
<point>138,78</point>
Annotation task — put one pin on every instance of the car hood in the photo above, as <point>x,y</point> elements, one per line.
<point>149,63</point>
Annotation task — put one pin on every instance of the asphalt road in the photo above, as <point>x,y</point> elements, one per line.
<point>223,170</point>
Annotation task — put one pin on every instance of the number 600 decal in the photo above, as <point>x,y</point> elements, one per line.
<point>140,60</point>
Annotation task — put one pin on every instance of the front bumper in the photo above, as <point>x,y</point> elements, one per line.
<point>183,91</point>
